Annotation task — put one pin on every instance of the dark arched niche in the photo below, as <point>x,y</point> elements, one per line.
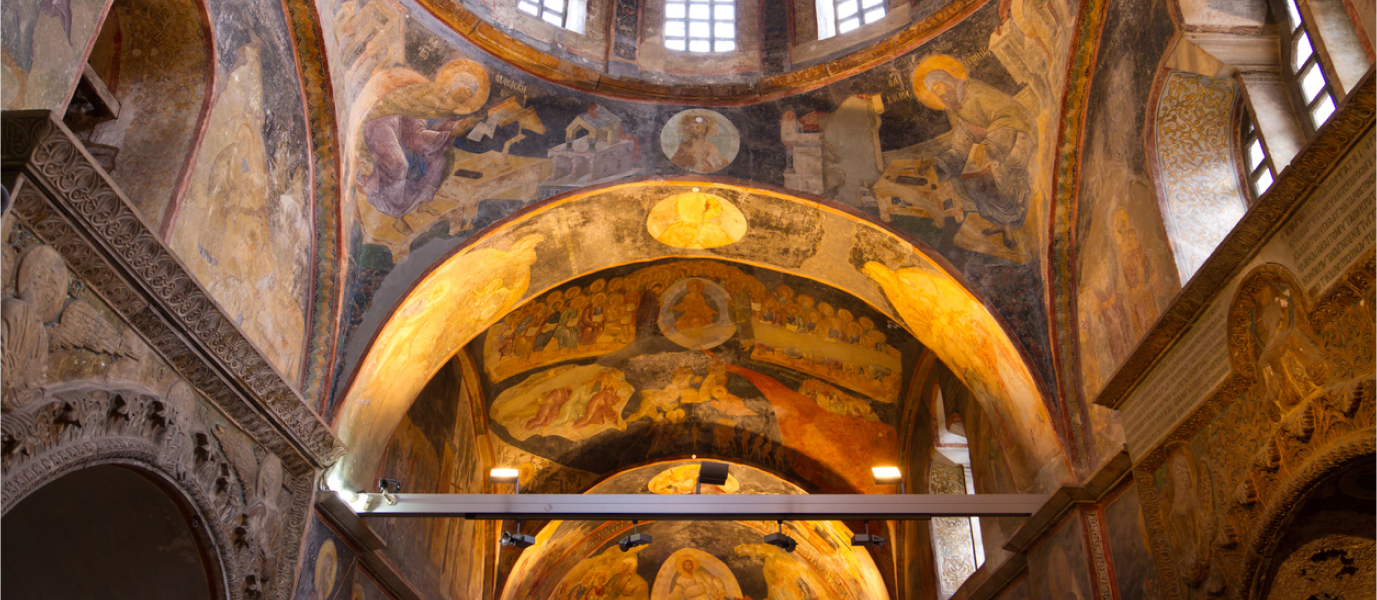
<point>103,532</point>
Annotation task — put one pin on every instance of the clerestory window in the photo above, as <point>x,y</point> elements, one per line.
<point>1258,164</point>
<point>568,14</point>
<point>701,26</point>
<point>836,17</point>
<point>1310,79</point>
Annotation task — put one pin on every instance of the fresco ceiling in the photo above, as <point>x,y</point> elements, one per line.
<point>681,357</point>
<point>918,185</point>
<point>443,140</point>
<point>582,559</point>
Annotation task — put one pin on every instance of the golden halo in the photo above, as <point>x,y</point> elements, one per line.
<point>679,564</point>
<point>327,568</point>
<point>462,66</point>
<point>936,62</point>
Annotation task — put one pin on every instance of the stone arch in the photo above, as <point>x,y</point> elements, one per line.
<point>467,291</point>
<point>1275,521</point>
<point>78,427</point>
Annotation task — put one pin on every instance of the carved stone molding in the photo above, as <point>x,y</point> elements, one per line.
<point>253,514</point>
<point>71,204</point>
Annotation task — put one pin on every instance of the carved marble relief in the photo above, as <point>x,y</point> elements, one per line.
<point>1219,492</point>
<point>79,392</point>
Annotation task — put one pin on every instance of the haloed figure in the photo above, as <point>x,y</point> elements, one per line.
<point>992,141</point>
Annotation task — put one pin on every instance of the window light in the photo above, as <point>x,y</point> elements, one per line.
<point>700,26</point>
<point>836,17</point>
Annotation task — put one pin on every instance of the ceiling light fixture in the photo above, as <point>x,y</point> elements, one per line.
<point>513,477</point>
<point>635,539</point>
<point>780,540</point>
<point>889,476</point>
<point>866,539</point>
<point>711,473</point>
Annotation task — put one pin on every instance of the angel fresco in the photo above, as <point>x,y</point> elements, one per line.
<point>410,130</point>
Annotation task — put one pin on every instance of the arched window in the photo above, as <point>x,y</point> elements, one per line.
<point>700,25</point>
<point>841,16</point>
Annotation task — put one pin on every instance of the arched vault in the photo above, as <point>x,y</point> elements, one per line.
<point>589,230</point>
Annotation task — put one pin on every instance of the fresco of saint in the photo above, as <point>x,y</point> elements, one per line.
<point>993,138</point>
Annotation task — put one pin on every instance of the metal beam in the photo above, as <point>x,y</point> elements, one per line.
<point>654,507</point>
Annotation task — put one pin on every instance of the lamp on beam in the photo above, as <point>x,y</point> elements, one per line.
<point>635,539</point>
<point>513,477</point>
<point>867,539</point>
<point>889,476</point>
<point>781,540</point>
<point>711,473</point>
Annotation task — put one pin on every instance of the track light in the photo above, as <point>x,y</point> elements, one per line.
<point>516,539</point>
<point>866,539</point>
<point>389,489</point>
<point>888,476</point>
<point>635,539</point>
<point>511,476</point>
<point>780,540</point>
<point>711,473</point>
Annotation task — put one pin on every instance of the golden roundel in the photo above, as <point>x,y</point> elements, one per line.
<point>936,62</point>
<point>695,220</point>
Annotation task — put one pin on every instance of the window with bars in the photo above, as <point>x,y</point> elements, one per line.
<point>1259,165</point>
<point>836,17</point>
<point>700,25</point>
<point>1311,82</point>
<point>568,14</point>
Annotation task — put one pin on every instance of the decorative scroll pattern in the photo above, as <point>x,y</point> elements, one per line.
<point>101,236</point>
<point>254,515</point>
<point>1094,528</point>
<point>1196,165</point>
<point>951,535</point>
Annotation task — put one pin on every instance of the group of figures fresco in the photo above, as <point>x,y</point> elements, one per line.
<point>701,357</point>
<point>694,560</point>
<point>942,144</point>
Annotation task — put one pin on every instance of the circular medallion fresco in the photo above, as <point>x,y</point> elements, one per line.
<point>696,221</point>
<point>693,314</point>
<point>700,140</point>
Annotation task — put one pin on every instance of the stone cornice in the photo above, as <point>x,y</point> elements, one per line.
<point>1293,186</point>
<point>71,204</point>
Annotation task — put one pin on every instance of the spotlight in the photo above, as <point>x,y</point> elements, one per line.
<point>780,540</point>
<point>516,539</point>
<point>866,539</point>
<point>635,539</point>
<point>358,501</point>
<point>888,476</point>
<point>711,473</point>
<point>504,476</point>
<point>389,488</point>
<point>511,476</point>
